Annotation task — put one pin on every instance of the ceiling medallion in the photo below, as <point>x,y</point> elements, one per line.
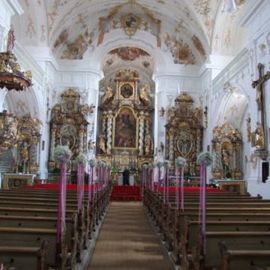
<point>130,23</point>
<point>11,75</point>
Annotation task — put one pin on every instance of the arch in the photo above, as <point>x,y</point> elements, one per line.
<point>232,108</point>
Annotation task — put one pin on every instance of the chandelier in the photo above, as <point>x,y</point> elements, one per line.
<point>11,75</point>
<point>8,131</point>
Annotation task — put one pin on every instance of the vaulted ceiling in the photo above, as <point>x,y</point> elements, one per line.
<point>188,30</point>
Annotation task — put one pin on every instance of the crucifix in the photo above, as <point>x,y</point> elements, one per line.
<point>260,99</point>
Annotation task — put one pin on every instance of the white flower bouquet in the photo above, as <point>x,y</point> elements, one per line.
<point>81,159</point>
<point>205,158</point>
<point>180,162</point>
<point>62,154</point>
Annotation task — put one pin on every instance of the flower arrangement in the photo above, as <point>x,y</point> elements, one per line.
<point>205,158</point>
<point>62,154</point>
<point>145,166</point>
<point>158,164</point>
<point>92,162</point>
<point>81,159</point>
<point>166,163</point>
<point>180,162</point>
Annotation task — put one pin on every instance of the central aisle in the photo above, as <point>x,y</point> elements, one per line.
<point>127,241</point>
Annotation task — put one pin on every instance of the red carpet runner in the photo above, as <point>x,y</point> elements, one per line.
<point>126,193</point>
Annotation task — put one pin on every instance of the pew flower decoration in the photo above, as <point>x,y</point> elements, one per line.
<point>145,166</point>
<point>166,163</point>
<point>92,163</point>
<point>62,154</point>
<point>180,162</point>
<point>158,164</point>
<point>81,159</point>
<point>205,158</point>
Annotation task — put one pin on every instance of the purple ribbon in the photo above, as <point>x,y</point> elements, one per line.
<point>202,208</point>
<point>61,221</point>
<point>177,174</point>
<point>80,185</point>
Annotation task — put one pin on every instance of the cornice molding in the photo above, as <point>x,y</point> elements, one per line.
<point>238,64</point>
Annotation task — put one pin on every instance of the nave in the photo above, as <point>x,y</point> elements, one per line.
<point>127,241</point>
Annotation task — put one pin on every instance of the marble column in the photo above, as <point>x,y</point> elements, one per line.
<point>171,150</point>
<point>81,135</point>
<point>53,131</point>
<point>109,132</point>
<point>141,132</point>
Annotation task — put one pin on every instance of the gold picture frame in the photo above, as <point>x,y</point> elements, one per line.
<point>123,127</point>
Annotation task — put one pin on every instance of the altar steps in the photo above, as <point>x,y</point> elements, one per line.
<point>126,193</point>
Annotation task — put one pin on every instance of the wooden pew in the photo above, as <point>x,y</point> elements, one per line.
<point>24,211</point>
<point>33,237</point>
<point>250,258</point>
<point>248,208</point>
<point>24,258</point>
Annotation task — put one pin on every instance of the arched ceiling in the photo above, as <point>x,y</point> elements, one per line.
<point>183,28</point>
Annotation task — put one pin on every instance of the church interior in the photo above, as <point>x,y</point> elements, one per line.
<point>134,134</point>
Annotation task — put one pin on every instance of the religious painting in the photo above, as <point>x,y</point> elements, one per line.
<point>68,136</point>
<point>125,129</point>
<point>126,90</point>
<point>130,23</point>
<point>184,143</point>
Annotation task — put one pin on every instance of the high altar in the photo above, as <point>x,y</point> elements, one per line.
<point>125,136</point>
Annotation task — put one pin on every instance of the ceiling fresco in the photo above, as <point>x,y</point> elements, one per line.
<point>185,28</point>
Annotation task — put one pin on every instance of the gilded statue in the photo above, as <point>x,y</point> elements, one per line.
<point>259,137</point>
<point>102,144</point>
<point>108,95</point>
<point>148,144</point>
<point>145,95</point>
<point>24,153</point>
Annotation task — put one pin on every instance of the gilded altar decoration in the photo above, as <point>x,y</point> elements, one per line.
<point>28,144</point>
<point>227,152</point>
<point>130,24</point>
<point>12,77</point>
<point>184,131</point>
<point>8,131</point>
<point>125,137</point>
<point>69,125</point>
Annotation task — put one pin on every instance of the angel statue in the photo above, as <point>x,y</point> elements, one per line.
<point>145,95</point>
<point>108,95</point>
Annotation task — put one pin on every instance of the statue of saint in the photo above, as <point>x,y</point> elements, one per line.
<point>108,95</point>
<point>10,39</point>
<point>24,153</point>
<point>259,137</point>
<point>225,162</point>
<point>145,95</point>
<point>148,144</point>
<point>102,144</point>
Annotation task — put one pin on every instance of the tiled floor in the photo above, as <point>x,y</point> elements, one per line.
<point>127,241</point>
